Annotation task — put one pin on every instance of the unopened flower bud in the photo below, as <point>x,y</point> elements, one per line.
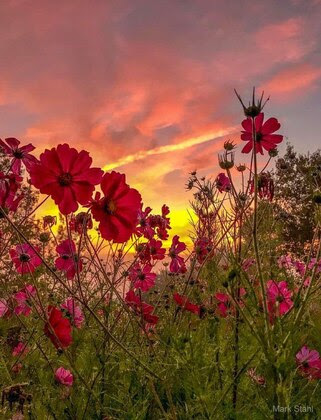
<point>44,237</point>
<point>273,152</point>
<point>241,168</point>
<point>229,145</point>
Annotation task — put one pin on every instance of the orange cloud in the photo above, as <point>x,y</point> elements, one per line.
<point>292,80</point>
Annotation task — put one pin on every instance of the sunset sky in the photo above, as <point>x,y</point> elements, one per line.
<point>147,85</point>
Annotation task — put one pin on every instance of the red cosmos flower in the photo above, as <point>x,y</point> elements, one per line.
<point>264,137</point>
<point>279,298</point>
<point>186,304</point>
<point>58,328</point>
<point>68,260</point>
<point>161,223</point>
<point>141,308</point>
<point>9,185</point>
<point>65,175</point>
<point>151,250</point>
<point>142,277</point>
<point>309,363</point>
<point>177,264</point>
<point>222,183</point>
<point>19,154</point>
<point>25,259</point>
<point>144,228</point>
<point>118,210</point>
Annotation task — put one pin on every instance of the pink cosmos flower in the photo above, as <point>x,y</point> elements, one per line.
<point>309,363</point>
<point>313,263</point>
<point>25,259</point>
<point>20,349</point>
<point>68,260</point>
<point>285,261</point>
<point>24,299</point>
<point>279,298</point>
<point>9,185</point>
<point>265,139</point>
<point>223,183</point>
<point>18,154</point>
<point>177,264</point>
<point>64,376</point>
<point>142,277</point>
<point>73,312</point>
<point>247,263</point>
<point>3,307</point>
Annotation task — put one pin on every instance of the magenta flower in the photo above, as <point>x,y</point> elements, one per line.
<point>247,263</point>
<point>151,250</point>
<point>24,298</point>
<point>177,264</point>
<point>3,307</point>
<point>19,154</point>
<point>142,309</point>
<point>142,277</point>
<point>143,226</point>
<point>20,349</point>
<point>68,260</point>
<point>309,363</point>
<point>64,376</point>
<point>155,250</point>
<point>285,261</point>
<point>184,303</point>
<point>73,312</point>
<point>202,248</point>
<point>226,305</point>
<point>9,185</point>
<point>25,258</point>
<point>223,304</point>
<point>313,263</point>
<point>279,298</point>
<point>223,183</point>
<point>265,139</point>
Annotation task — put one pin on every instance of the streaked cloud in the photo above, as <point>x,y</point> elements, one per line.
<point>147,87</point>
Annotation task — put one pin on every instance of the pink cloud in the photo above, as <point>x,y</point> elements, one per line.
<point>293,80</point>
